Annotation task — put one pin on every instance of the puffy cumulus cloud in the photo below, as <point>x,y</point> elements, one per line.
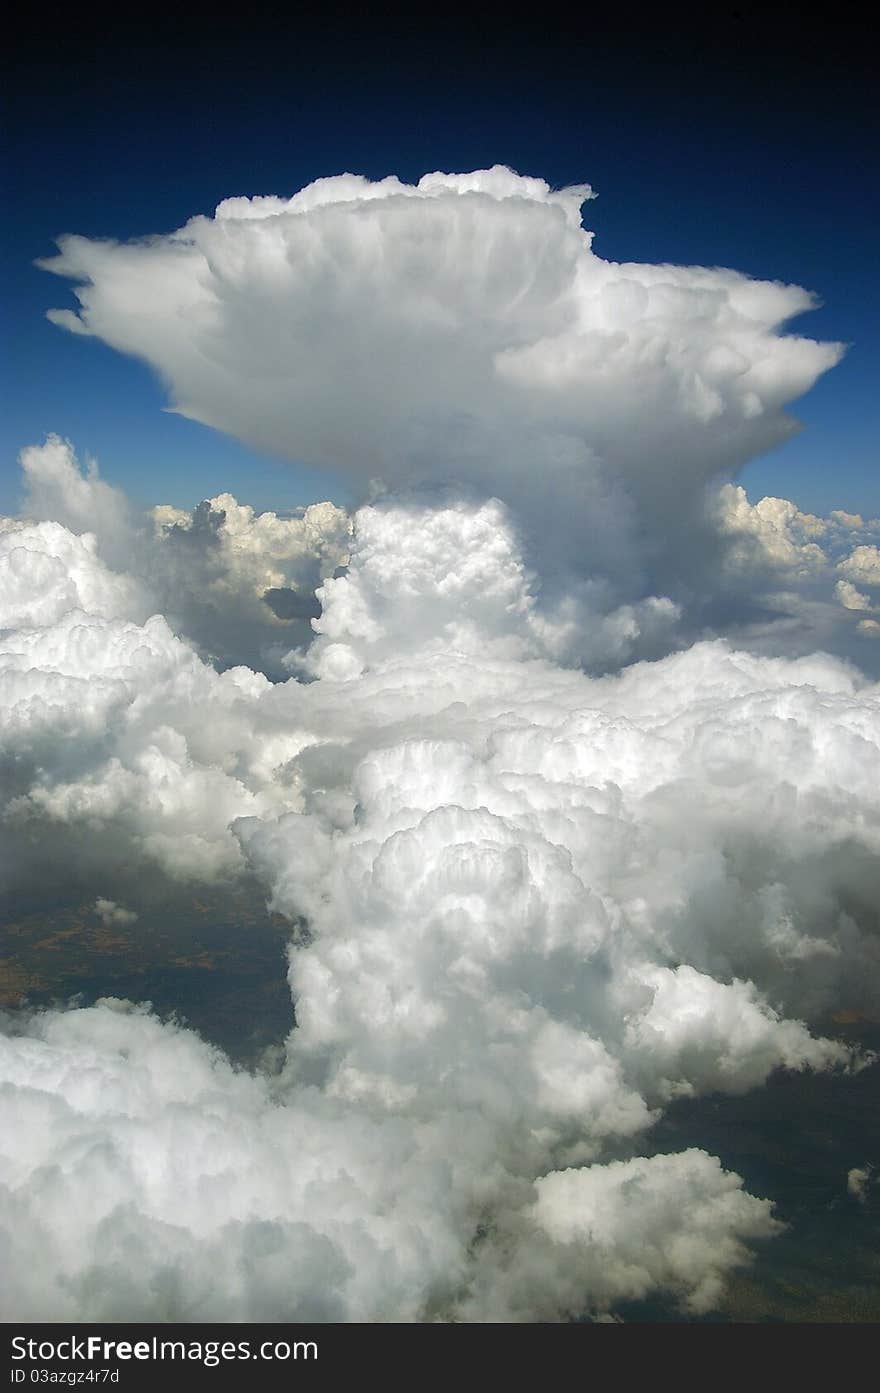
<point>114,915</point>
<point>787,579</point>
<point>113,729</point>
<point>446,577</point>
<point>57,490</point>
<point>863,565</point>
<point>591,868</point>
<point>701,1035</point>
<point>242,584</point>
<point>603,1232</point>
<point>860,1180</point>
<point>238,584</point>
<point>214,1194</point>
<point>463,329</point>
<point>448,573</point>
<point>263,552</point>
<point>850,597</point>
<point>208,1198</point>
<point>773,531</point>
<point>537,906</point>
<point>47,572</point>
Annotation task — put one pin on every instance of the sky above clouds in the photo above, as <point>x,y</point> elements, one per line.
<point>442,608</point>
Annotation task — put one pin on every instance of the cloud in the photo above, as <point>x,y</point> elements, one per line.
<point>241,584</point>
<point>463,330</point>
<point>111,726</point>
<point>210,1197</point>
<point>238,584</point>
<point>859,1182</point>
<point>773,530</point>
<point>863,565</point>
<point>604,1230</point>
<point>539,906</point>
<point>534,751</point>
<point>114,915</point>
<point>477,295</point>
<point>262,551</point>
<point>782,584</point>
<point>850,597</point>
<point>449,572</point>
<point>47,572</point>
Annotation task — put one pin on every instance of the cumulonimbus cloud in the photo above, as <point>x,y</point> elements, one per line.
<point>463,330</point>
<point>540,890</point>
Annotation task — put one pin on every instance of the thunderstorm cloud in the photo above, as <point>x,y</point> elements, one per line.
<point>560,755</point>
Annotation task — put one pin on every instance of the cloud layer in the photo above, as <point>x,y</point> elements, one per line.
<point>539,906</point>
<point>534,751</point>
<point>153,1181</point>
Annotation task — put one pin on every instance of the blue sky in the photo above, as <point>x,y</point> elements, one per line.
<point>744,144</point>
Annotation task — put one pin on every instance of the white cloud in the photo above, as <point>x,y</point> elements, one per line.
<point>862,565</point>
<point>114,915</point>
<point>702,1035</point>
<point>774,529</point>
<point>47,573</point>
<point>448,573</point>
<point>208,1195</point>
<point>850,597</point>
<point>56,490</point>
<point>464,288</point>
<point>242,584</point>
<point>603,1233</point>
<point>115,726</point>
<point>463,330</point>
<point>538,909</point>
<point>238,584</point>
<point>539,904</point>
<point>262,552</point>
<point>779,589</point>
<point>859,1181</point>
<point>506,868</point>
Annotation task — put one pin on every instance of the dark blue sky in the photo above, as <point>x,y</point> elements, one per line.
<point>750,141</point>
